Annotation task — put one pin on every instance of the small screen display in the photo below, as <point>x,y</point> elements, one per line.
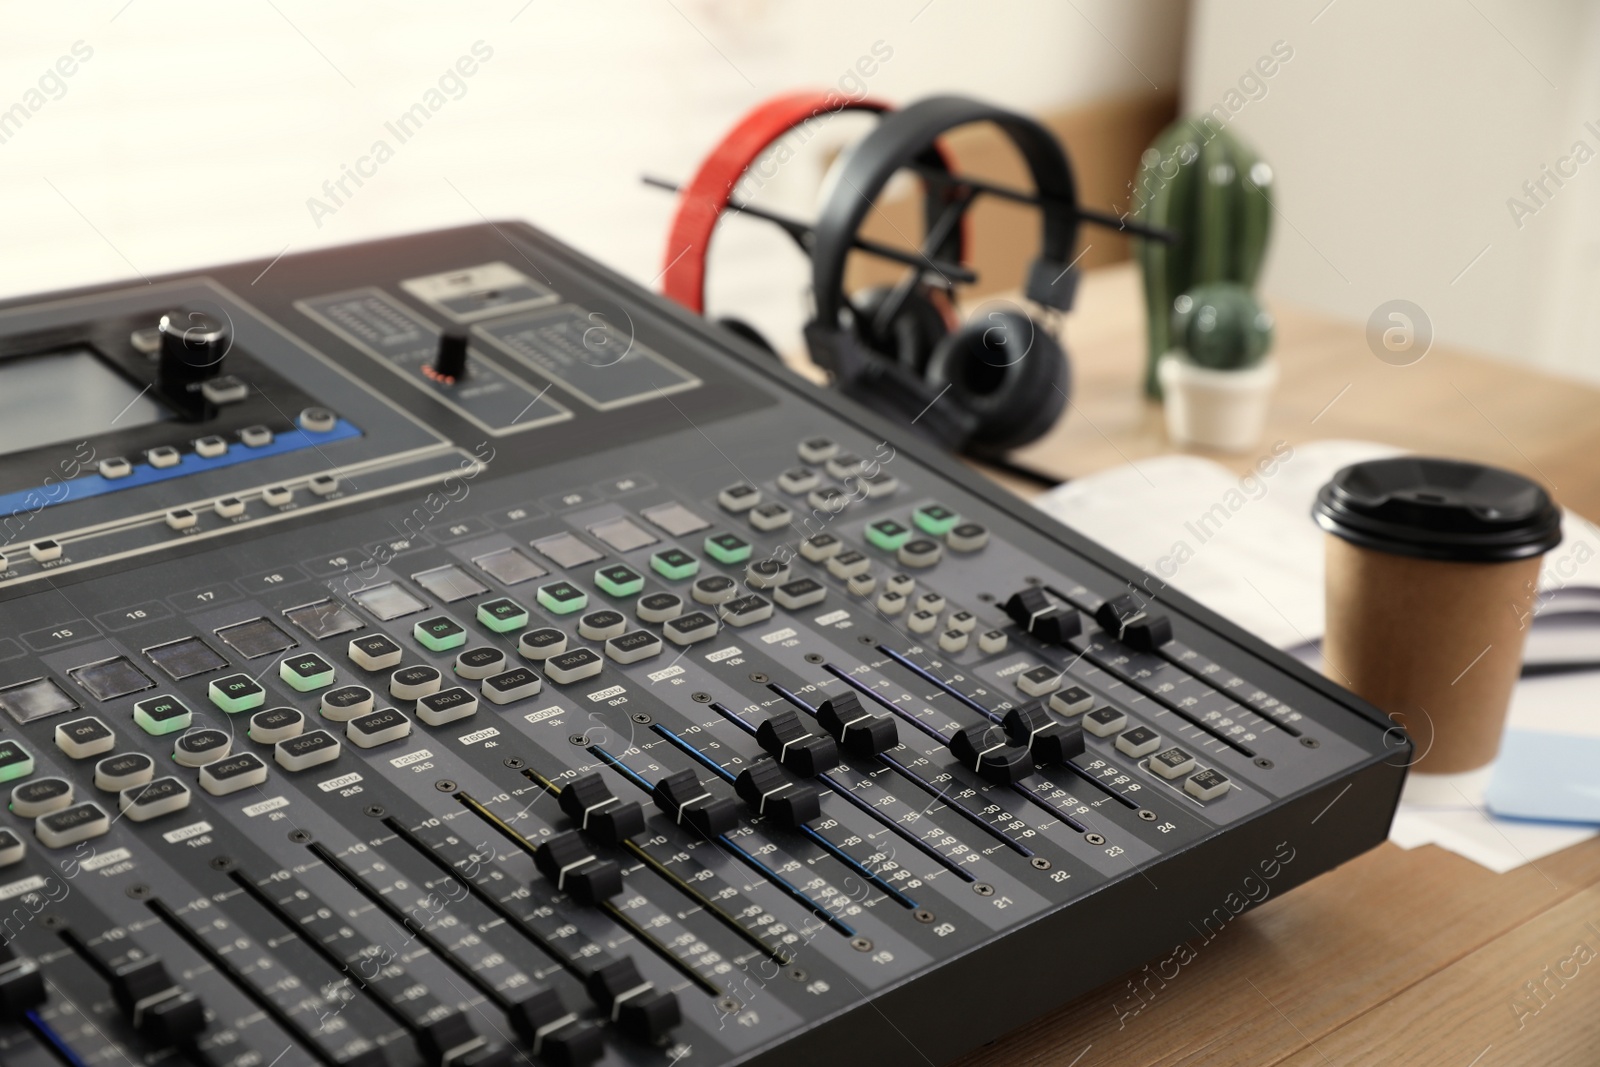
<point>69,395</point>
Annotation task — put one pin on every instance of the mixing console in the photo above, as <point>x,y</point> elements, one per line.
<point>442,652</point>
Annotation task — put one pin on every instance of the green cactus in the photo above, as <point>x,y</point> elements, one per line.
<point>1221,326</point>
<point>1210,189</point>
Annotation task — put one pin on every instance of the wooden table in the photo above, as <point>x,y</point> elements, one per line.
<point>1398,957</point>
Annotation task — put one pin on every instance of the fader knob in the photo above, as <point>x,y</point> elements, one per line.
<point>193,346</point>
<point>450,359</point>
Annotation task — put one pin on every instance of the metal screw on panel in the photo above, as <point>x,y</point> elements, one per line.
<point>1310,742</point>
<point>986,598</point>
<point>814,657</point>
<point>729,1005</point>
<point>798,974</point>
<point>1094,839</point>
<point>700,698</point>
<point>983,889</point>
<point>222,863</point>
<point>300,837</point>
<point>758,678</point>
<point>642,718</point>
<point>139,891</point>
<point>922,915</point>
<point>1147,815</point>
<point>1264,763</point>
<point>375,811</point>
<point>445,785</point>
<point>861,944</point>
<point>516,763</point>
<point>579,740</point>
<point>1039,863</point>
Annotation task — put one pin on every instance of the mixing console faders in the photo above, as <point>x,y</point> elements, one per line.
<point>444,653</point>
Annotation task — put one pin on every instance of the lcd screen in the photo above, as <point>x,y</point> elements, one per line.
<point>69,395</point>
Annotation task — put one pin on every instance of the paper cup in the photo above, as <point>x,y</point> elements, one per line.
<point>1432,567</point>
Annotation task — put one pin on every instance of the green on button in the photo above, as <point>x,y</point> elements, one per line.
<point>502,615</point>
<point>439,633</point>
<point>162,715</point>
<point>562,598</point>
<point>236,693</point>
<point>727,548</point>
<point>936,520</point>
<point>675,564</point>
<point>619,579</point>
<point>888,534</point>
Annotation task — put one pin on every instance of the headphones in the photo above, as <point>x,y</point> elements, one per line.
<point>985,386</point>
<point>982,387</point>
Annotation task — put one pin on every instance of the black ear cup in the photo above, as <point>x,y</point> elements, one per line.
<point>1006,370</point>
<point>746,332</point>
<point>911,336</point>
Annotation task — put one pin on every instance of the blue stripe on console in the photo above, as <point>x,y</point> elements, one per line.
<point>296,440</point>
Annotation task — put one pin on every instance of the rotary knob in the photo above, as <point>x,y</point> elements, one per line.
<point>193,346</point>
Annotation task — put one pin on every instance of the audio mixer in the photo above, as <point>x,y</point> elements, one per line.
<point>440,651</point>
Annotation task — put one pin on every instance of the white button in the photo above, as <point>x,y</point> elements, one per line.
<point>210,447</point>
<point>324,484</point>
<point>920,553</point>
<point>318,420</point>
<point>844,464</point>
<point>5,564</point>
<point>276,495</point>
<point>163,796</point>
<point>229,507</point>
<point>820,547</point>
<point>800,593</point>
<point>181,518</point>
<point>224,390</point>
<point>12,848</point>
<point>307,750</point>
<point>233,774</point>
<point>922,622</point>
<point>766,573</point>
<point>515,684</point>
<point>116,467</point>
<point>255,436</point>
<point>797,481</point>
<point>1139,741</point>
<point>72,825</point>
<point>770,516</point>
<point>1173,763</point>
<point>862,584</point>
<point>163,456</point>
<point>409,683</point>
<point>44,551</point>
<point>933,602</point>
<point>346,702</point>
<point>891,603</point>
<point>965,621</point>
<point>953,640</point>
<point>447,705</point>
<point>878,485</point>
<point>740,497</point>
<point>82,738</point>
<point>377,728</point>
<point>1103,722</point>
<point>1040,681</point>
<point>40,796</point>
<point>573,666</point>
<point>1206,784</point>
<point>116,773</point>
<point>817,449</point>
<point>900,583</point>
<point>849,564</point>
<point>992,642</point>
<point>1073,700</point>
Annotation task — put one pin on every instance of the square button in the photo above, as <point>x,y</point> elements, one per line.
<point>566,550</point>
<point>375,652</point>
<point>306,672</point>
<point>1173,763</point>
<point>36,699</point>
<point>687,629</point>
<point>15,761</point>
<point>1139,741</point>
<point>820,547</point>
<point>447,705</point>
<point>1207,784</point>
<point>509,566</point>
<point>727,548</point>
<point>439,633</point>
<point>515,684</point>
<point>935,520</point>
<point>888,534</point>
<point>502,615</point>
<point>675,564</point>
<point>676,519</point>
<point>324,618</point>
<point>111,678</point>
<point>236,693</point>
<point>619,580</point>
<point>1103,722</point>
<point>623,535</point>
<point>82,738</point>
<point>388,601</point>
<point>1039,681</point>
<point>162,715</point>
<point>1073,700</point>
<point>633,646</point>
<point>377,728</point>
<point>306,751</point>
<point>562,598</point>
<point>258,637</point>
<point>449,583</point>
<point>573,666</point>
<point>185,658</point>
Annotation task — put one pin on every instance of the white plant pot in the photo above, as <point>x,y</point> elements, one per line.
<point>1221,409</point>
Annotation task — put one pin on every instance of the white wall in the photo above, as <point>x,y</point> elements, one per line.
<point>1398,132</point>
<point>196,132</point>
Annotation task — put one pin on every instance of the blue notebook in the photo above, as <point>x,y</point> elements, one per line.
<point>1550,777</point>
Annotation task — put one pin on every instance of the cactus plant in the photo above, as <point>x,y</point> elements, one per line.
<point>1199,181</point>
<point>1221,326</point>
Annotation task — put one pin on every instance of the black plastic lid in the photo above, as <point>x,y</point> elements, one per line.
<point>1439,509</point>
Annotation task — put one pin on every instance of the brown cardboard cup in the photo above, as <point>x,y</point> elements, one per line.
<point>1435,644</point>
<point>1432,567</point>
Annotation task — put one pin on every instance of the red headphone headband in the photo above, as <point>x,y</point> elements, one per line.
<point>706,195</point>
